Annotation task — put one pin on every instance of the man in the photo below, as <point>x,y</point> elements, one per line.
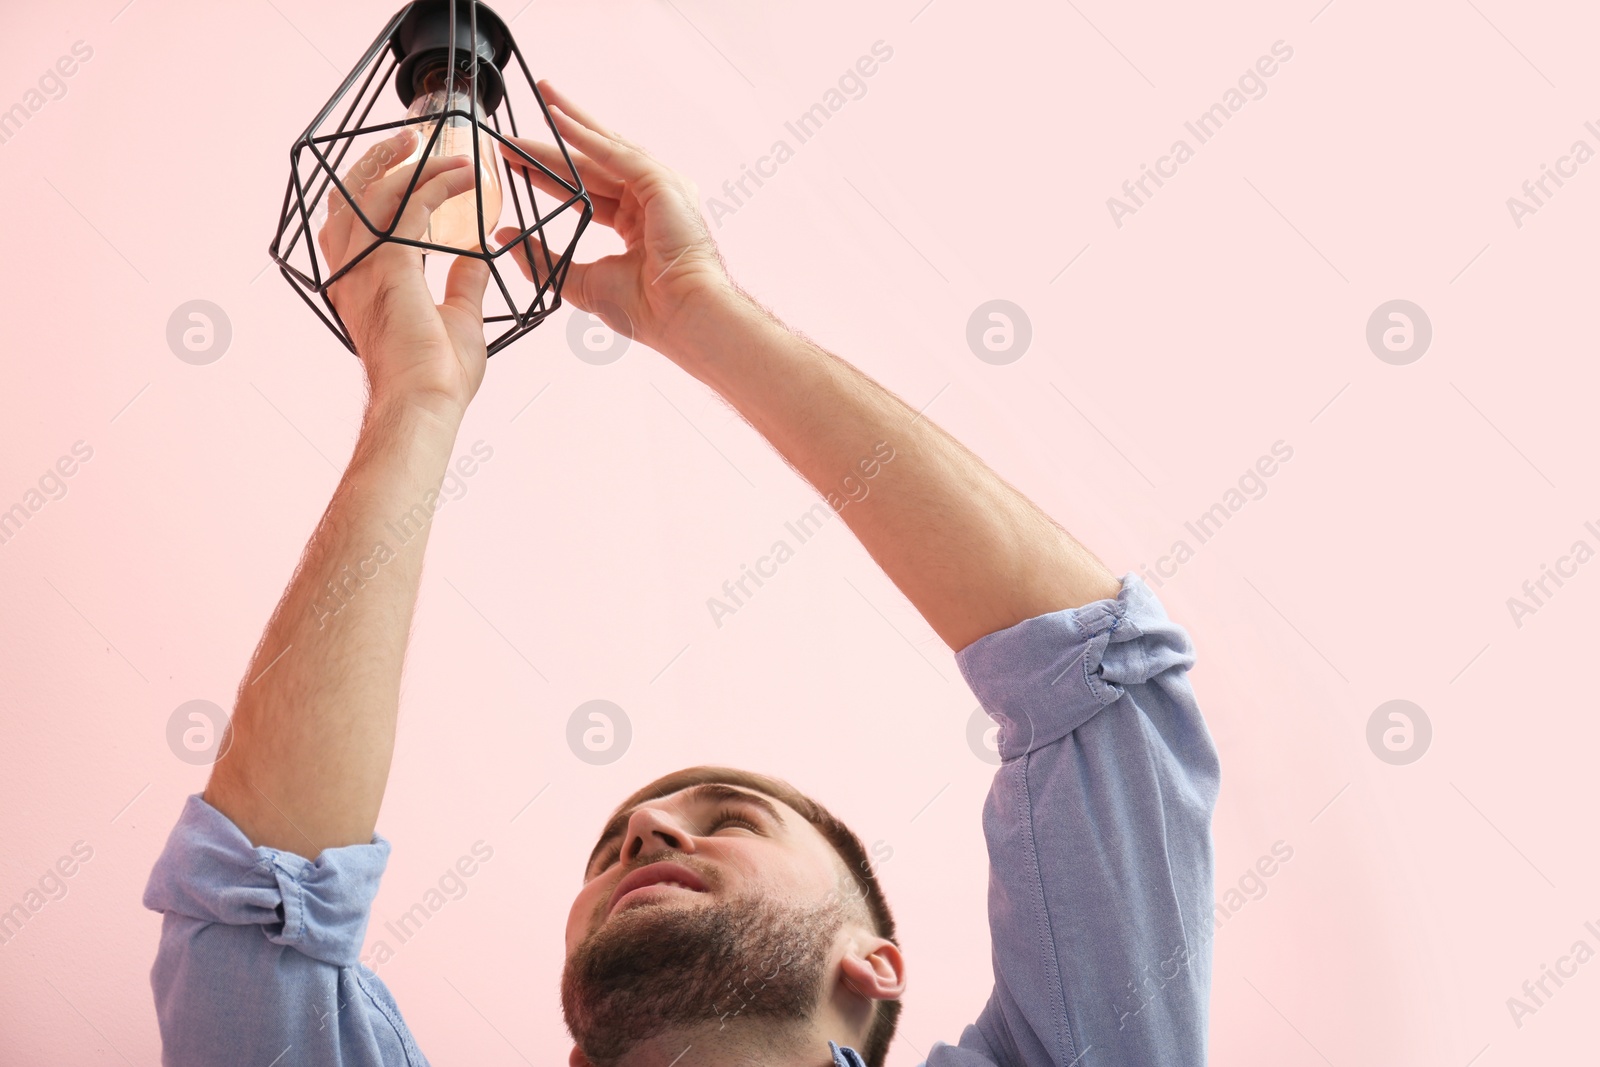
<point>724,918</point>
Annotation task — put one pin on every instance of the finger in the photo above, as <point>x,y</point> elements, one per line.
<point>605,205</point>
<point>542,262</point>
<point>381,201</point>
<point>519,252</point>
<point>371,166</point>
<point>464,285</point>
<point>378,161</point>
<point>552,95</point>
<point>567,106</point>
<point>614,155</point>
<point>453,176</point>
<point>594,179</point>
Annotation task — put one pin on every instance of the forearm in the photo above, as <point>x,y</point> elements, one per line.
<point>314,722</point>
<point>970,552</point>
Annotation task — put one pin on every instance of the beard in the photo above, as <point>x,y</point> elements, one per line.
<point>656,968</point>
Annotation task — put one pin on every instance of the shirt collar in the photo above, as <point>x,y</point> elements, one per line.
<point>845,1056</point>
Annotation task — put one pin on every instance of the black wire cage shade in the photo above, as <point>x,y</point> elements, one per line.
<point>451,67</point>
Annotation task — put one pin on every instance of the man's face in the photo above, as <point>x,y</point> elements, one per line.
<point>711,905</point>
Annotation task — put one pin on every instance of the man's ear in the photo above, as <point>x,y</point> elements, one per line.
<point>577,1059</point>
<point>878,974</point>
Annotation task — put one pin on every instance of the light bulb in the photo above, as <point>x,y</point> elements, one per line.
<point>455,222</point>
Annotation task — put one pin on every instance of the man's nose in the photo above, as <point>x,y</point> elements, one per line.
<point>651,832</point>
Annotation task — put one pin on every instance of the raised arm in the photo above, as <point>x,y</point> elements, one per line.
<point>1098,818</point>
<point>312,733</point>
<point>969,551</point>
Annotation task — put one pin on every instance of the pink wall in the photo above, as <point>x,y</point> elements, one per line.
<point>1225,314</point>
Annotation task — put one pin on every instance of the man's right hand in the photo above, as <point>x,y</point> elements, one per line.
<point>415,352</point>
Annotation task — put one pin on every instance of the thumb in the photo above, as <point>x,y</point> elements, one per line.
<point>574,288</point>
<point>465,284</point>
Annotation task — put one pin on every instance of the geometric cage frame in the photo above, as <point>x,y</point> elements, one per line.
<point>492,51</point>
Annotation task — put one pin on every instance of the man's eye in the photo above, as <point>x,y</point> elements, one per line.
<point>730,818</point>
<point>718,821</point>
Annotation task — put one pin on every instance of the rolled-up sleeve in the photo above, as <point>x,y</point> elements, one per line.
<point>259,959</point>
<point>1098,826</point>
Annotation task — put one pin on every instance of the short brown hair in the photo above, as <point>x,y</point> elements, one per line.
<point>886,1013</point>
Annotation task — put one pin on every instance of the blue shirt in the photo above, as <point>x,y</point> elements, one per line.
<point>1098,826</point>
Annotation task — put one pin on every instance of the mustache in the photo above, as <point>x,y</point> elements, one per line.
<point>707,875</point>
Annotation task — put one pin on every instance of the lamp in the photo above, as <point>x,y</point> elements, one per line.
<point>451,68</point>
